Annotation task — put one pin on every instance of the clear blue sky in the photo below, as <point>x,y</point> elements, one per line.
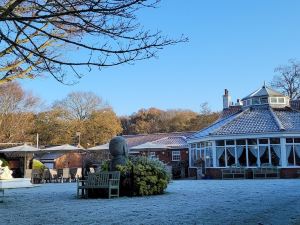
<point>233,44</point>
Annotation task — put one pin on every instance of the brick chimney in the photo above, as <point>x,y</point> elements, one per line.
<point>226,100</point>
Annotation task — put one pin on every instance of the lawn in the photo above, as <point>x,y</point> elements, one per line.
<point>185,202</point>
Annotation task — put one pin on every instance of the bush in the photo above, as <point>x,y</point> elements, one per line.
<point>37,165</point>
<point>4,162</point>
<point>144,176</point>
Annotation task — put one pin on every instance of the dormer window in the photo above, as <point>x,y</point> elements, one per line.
<point>281,100</point>
<point>273,100</point>
<point>255,101</point>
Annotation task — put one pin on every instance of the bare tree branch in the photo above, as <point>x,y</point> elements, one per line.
<point>59,36</point>
<point>288,79</point>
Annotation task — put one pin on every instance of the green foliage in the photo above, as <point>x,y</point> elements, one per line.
<point>37,165</point>
<point>105,166</point>
<point>4,162</point>
<point>150,176</point>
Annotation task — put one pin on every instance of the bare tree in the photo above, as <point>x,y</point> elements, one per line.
<point>39,36</point>
<point>287,79</point>
<point>80,105</point>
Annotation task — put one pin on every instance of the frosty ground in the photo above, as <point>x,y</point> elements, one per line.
<point>185,202</point>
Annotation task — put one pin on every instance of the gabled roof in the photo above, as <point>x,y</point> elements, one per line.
<point>264,91</point>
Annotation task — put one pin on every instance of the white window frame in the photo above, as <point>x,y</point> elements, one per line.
<point>176,156</point>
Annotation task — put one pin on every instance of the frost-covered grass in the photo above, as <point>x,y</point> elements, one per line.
<point>186,202</point>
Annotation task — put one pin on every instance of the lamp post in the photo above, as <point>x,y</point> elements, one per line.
<point>78,135</point>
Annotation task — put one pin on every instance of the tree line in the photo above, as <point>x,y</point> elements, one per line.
<point>84,118</point>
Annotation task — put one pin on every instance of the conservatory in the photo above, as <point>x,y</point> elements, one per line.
<point>261,130</point>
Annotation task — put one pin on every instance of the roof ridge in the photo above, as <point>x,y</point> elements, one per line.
<point>277,121</point>
<point>237,116</point>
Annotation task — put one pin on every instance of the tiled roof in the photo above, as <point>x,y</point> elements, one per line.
<point>230,111</point>
<point>295,104</point>
<point>290,119</point>
<point>208,130</point>
<point>134,140</point>
<point>173,142</point>
<point>254,120</point>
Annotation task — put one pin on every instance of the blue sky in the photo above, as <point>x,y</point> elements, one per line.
<point>233,44</point>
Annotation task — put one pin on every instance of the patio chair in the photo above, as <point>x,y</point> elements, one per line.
<point>46,176</point>
<point>36,176</point>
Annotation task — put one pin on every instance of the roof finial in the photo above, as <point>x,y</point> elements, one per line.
<point>264,84</point>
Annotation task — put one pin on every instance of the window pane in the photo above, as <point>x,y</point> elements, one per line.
<point>241,142</point>
<point>273,100</point>
<point>275,141</point>
<point>274,157</point>
<point>297,140</point>
<point>230,142</point>
<point>280,100</point>
<point>176,156</point>
<point>220,143</point>
<point>252,141</point>
<point>263,141</point>
<point>255,101</point>
<point>264,100</point>
<point>289,140</point>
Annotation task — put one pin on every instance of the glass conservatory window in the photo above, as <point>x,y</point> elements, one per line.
<point>208,157</point>
<point>293,151</point>
<point>275,141</point>
<point>275,155</point>
<point>220,156</point>
<point>230,153</point>
<point>252,155</point>
<point>241,155</point>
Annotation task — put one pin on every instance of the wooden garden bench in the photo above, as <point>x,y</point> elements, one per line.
<point>266,172</point>
<point>100,180</point>
<point>233,173</point>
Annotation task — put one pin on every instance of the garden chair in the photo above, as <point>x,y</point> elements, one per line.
<point>46,176</point>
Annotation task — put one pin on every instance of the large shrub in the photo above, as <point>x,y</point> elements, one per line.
<point>37,165</point>
<point>144,176</point>
<point>4,162</point>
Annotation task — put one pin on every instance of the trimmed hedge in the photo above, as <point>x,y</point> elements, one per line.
<point>144,176</point>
